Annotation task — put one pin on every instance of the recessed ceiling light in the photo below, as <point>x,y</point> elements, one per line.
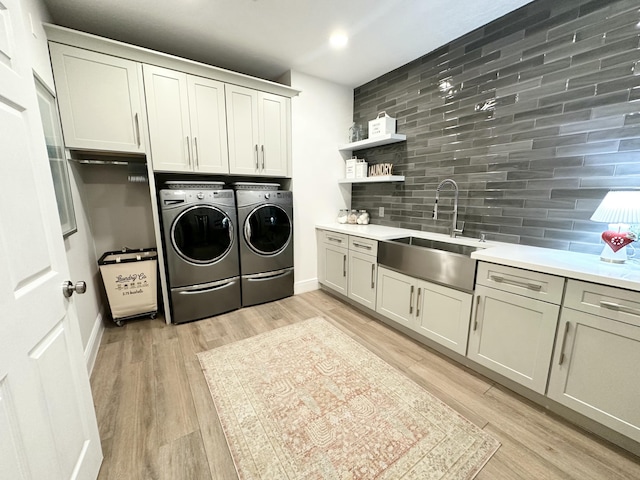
<point>338,40</point>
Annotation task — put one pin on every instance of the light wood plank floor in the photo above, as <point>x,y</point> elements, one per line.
<point>157,419</point>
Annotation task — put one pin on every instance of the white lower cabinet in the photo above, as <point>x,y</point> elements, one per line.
<point>362,278</point>
<point>595,369</point>
<point>443,315</point>
<point>513,335</point>
<point>348,265</point>
<point>439,313</point>
<point>335,268</point>
<point>396,297</point>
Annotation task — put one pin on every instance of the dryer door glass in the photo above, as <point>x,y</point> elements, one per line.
<point>202,234</point>
<point>267,230</point>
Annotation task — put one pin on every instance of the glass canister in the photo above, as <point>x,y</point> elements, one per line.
<point>363,218</point>
<point>343,215</point>
<point>353,217</point>
<point>355,133</point>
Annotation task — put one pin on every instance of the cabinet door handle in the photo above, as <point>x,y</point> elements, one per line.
<point>195,152</point>
<point>475,317</point>
<point>135,118</point>
<point>531,286</point>
<point>333,239</point>
<point>564,341</point>
<point>418,303</point>
<point>257,167</point>
<point>411,301</point>
<point>344,266</point>
<point>262,148</point>
<point>360,245</point>
<point>373,275</point>
<point>619,308</point>
<point>189,151</point>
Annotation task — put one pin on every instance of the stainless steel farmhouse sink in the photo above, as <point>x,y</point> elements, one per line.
<point>447,264</point>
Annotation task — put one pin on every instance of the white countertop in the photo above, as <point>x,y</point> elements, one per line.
<point>380,232</point>
<point>579,266</point>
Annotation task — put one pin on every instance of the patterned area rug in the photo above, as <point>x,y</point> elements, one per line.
<point>308,402</point>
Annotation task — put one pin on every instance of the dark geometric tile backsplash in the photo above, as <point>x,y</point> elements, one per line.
<point>536,116</point>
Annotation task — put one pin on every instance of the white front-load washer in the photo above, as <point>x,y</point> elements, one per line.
<point>201,252</point>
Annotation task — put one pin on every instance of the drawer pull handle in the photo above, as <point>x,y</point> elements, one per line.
<point>619,308</point>
<point>418,303</point>
<point>332,239</point>
<point>475,317</point>
<point>360,245</point>
<point>564,341</point>
<point>344,266</point>
<point>531,286</point>
<point>411,301</point>
<point>373,275</point>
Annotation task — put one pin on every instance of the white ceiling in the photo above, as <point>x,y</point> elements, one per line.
<point>266,38</point>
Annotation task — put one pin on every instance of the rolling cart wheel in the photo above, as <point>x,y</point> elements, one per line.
<point>153,315</point>
<point>119,323</point>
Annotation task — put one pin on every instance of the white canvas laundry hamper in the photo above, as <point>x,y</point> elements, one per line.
<point>130,280</point>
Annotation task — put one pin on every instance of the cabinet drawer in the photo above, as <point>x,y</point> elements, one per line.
<point>610,302</point>
<point>338,239</point>
<point>540,286</point>
<point>364,245</point>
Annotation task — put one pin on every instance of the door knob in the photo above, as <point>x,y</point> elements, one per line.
<point>68,288</point>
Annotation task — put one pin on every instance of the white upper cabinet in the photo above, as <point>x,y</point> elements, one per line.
<point>186,118</point>
<point>258,126</point>
<point>99,99</point>
<point>208,125</point>
<point>273,123</point>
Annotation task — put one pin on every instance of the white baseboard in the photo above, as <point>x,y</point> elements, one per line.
<point>91,350</point>
<point>305,286</point>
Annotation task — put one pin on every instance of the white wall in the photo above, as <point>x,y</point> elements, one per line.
<point>321,117</point>
<point>119,211</point>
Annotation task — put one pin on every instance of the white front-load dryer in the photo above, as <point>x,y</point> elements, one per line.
<point>265,218</point>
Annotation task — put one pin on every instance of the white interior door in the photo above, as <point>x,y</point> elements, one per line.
<point>47,422</point>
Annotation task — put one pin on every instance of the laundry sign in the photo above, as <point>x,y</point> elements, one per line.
<point>380,169</point>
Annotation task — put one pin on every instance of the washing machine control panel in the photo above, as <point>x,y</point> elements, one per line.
<point>170,198</point>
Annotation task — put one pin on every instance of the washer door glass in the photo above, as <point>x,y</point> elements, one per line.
<point>202,234</point>
<point>267,230</point>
